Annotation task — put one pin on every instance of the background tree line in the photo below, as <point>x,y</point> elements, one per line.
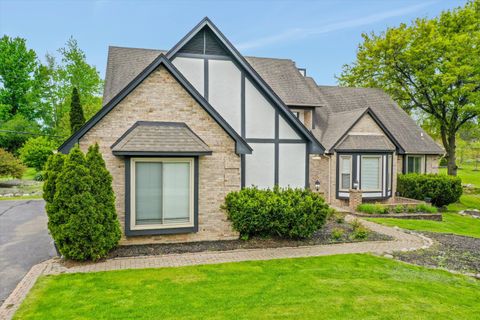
<point>49,99</point>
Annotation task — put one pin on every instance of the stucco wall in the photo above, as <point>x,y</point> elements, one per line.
<point>161,98</point>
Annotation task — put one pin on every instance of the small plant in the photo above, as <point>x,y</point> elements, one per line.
<point>339,218</point>
<point>39,176</point>
<point>337,233</point>
<point>355,224</point>
<point>10,166</point>
<point>399,209</point>
<point>371,208</point>
<point>426,208</point>
<point>360,233</point>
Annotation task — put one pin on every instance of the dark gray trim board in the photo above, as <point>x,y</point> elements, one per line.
<point>241,145</point>
<point>161,154</point>
<point>129,232</point>
<point>315,145</point>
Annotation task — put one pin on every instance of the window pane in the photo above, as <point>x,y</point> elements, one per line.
<point>390,172</point>
<point>418,165</point>
<point>414,164</point>
<point>370,179</point>
<point>345,181</point>
<point>176,192</point>
<point>148,203</point>
<point>345,164</point>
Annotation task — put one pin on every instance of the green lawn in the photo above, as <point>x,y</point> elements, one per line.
<point>469,176</point>
<point>334,287</point>
<point>452,223</point>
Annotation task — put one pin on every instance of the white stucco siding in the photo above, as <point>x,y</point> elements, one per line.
<point>224,90</point>
<point>259,114</point>
<point>292,162</point>
<point>192,69</point>
<point>260,166</point>
<point>285,130</point>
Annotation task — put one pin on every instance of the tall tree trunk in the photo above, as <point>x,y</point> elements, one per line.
<point>451,155</point>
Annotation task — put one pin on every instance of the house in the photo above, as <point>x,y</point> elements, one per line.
<point>180,129</point>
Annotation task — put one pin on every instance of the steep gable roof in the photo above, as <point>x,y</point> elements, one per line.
<point>241,145</point>
<point>314,145</point>
<point>409,136</point>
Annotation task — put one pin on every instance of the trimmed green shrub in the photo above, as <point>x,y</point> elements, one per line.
<point>10,166</point>
<point>372,208</point>
<point>441,189</point>
<point>104,197</point>
<point>81,226</point>
<point>288,213</point>
<point>53,167</point>
<point>35,152</point>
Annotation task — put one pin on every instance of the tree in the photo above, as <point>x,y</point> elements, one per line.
<point>104,196</point>
<point>36,151</point>
<point>431,66</point>
<point>10,166</point>
<point>77,119</point>
<point>16,131</point>
<point>53,167</point>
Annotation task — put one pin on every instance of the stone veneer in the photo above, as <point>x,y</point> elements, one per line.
<point>161,98</point>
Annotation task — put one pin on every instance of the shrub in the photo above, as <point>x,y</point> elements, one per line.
<point>337,233</point>
<point>79,224</point>
<point>104,197</point>
<point>35,152</point>
<point>426,208</point>
<point>10,166</point>
<point>289,213</point>
<point>359,231</point>
<point>441,189</point>
<point>372,208</point>
<point>39,176</point>
<point>399,209</point>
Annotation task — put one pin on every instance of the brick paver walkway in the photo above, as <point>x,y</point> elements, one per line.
<point>402,242</point>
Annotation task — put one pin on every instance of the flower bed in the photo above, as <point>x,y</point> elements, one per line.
<point>404,211</point>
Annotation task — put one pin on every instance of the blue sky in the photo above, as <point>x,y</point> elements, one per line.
<point>319,35</point>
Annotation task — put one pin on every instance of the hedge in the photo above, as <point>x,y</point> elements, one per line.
<point>441,189</point>
<point>287,213</point>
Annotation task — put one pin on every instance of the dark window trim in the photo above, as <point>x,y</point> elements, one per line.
<point>129,232</point>
<point>355,165</point>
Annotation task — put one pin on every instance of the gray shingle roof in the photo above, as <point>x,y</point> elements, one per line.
<point>365,143</point>
<point>403,128</point>
<point>160,138</point>
<point>336,107</point>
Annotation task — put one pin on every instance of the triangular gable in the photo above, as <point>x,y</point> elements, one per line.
<point>241,145</point>
<point>192,39</point>
<point>378,122</point>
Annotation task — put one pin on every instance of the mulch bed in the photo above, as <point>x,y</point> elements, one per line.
<point>323,236</point>
<point>449,251</point>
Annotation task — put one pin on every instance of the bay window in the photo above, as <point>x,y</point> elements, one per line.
<point>345,172</point>
<point>371,173</point>
<point>161,193</point>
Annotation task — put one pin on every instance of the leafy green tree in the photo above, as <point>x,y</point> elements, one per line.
<point>104,196</point>
<point>431,66</point>
<point>77,119</point>
<point>16,131</point>
<point>10,166</point>
<point>53,168</point>
<point>36,151</point>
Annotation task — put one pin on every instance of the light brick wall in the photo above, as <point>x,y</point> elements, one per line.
<point>432,164</point>
<point>161,98</point>
<point>366,125</point>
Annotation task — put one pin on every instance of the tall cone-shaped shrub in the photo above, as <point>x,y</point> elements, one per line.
<point>53,167</point>
<point>104,197</point>
<point>76,225</point>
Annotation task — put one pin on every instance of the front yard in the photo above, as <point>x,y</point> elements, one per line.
<point>334,287</point>
<point>452,223</point>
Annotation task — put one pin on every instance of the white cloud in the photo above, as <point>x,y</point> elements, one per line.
<point>336,26</point>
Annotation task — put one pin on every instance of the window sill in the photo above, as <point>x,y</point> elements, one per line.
<point>146,232</point>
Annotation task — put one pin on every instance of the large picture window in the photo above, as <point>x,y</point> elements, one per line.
<point>161,193</point>
<point>371,174</point>
<point>345,172</point>
<point>415,164</point>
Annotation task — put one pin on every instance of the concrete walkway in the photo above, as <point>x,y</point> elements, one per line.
<point>402,242</point>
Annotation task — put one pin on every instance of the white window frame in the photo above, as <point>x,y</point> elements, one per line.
<point>300,114</point>
<point>133,225</point>
<point>340,172</point>
<point>380,167</point>
<point>389,171</point>
<point>422,163</point>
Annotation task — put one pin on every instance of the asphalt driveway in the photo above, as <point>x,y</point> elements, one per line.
<point>24,241</point>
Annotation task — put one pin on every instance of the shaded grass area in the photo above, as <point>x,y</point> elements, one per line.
<point>334,287</point>
<point>452,223</point>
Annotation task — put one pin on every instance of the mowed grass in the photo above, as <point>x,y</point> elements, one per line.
<point>333,287</point>
<point>452,223</point>
<point>469,176</point>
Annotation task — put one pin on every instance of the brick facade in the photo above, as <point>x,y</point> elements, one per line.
<point>161,98</point>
